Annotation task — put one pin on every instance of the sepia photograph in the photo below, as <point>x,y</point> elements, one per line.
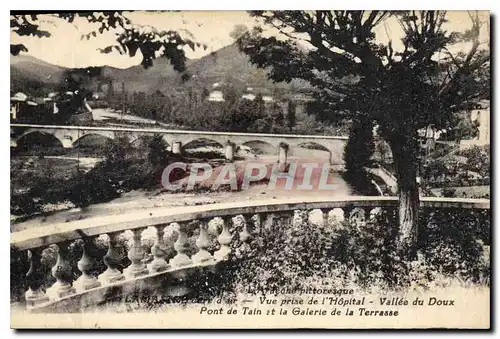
<point>264,169</point>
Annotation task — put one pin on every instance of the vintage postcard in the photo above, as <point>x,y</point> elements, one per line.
<point>250,169</point>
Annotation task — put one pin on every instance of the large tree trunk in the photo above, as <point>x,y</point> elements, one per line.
<point>405,150</point>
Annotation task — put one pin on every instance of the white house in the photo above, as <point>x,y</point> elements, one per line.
<point>482,115</point>
<point>216,96</point>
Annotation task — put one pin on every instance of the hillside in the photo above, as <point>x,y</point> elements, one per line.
<point>31,74</point>
<point>229,65</point>
<point>139,79</point>
<point>226,65</point>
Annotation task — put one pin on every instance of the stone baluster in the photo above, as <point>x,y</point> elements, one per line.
<point>136,255</point>
<point>267,221</point>
<point>203,242</point>
<point>34,295</point>
<point>224,241</point>
<point>245,235</point>
<point>326,216</point>
<point>243,242</point>
<point>159,251</point>
<point>112,261</point>
<point>86,281</point>
<point>63,273</point>
<point>357,217</point>
<point>181,258</point>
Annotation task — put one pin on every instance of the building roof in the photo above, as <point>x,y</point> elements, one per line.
<point>216,96</point>
<point>248,96</point>
<point>19,96</point>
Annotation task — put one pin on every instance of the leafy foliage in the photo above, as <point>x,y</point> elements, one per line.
<point>360,147</point>
<point>453,170</point>
<point>464,129</point>
<point>357,155</point>
<point>131,38</point>
<point>366,257</point>
<point>478,160</point>
<point>357,77</point>
<point>125,167</point>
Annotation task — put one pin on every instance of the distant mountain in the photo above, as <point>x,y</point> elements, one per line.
<point>227,65</point>
<point>31,74</point>
<point>139,79</point>
<point>231,66</point>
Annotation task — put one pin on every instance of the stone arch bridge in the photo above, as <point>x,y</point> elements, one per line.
<point>68,136</point>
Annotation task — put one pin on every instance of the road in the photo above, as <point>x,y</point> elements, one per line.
<point>103,114</point>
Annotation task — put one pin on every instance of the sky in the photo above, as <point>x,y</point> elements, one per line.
<point>65,48</point>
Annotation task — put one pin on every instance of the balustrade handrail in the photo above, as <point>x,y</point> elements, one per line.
<point>56,233</point>
<point>178,131</point>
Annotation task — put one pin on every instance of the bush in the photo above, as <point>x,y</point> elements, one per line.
<point>123,169</point>
<point>95,186</point>
<point>448,192</point>
<point>450,246</point>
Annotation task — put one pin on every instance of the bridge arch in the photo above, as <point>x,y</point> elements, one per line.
<point>261,147</point>
<point>311,145</point>
<point>203,147</point>
<point>93,138</point>
<point>202,142</point>
<point>144,140</point>
<point>39,139</point>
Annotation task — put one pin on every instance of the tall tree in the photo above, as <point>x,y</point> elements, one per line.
<point>358,152</point>
<point>131,38</point>
<point>358,76</point>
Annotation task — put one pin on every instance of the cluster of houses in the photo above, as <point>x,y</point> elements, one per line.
<point>25,108</point>
<point>216,94</point>
<point>300,99</point>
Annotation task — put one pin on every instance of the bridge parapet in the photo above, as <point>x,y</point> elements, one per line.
<point>177,139</point>
<point>235,225</point>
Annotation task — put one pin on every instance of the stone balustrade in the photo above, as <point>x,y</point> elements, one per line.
<point>238,222</point>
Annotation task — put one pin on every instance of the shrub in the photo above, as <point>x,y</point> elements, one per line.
<point>448,192</point>
<point>96,186</point>
<point>452,245</point>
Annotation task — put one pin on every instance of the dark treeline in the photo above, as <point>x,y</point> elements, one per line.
<point>192,108</point>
